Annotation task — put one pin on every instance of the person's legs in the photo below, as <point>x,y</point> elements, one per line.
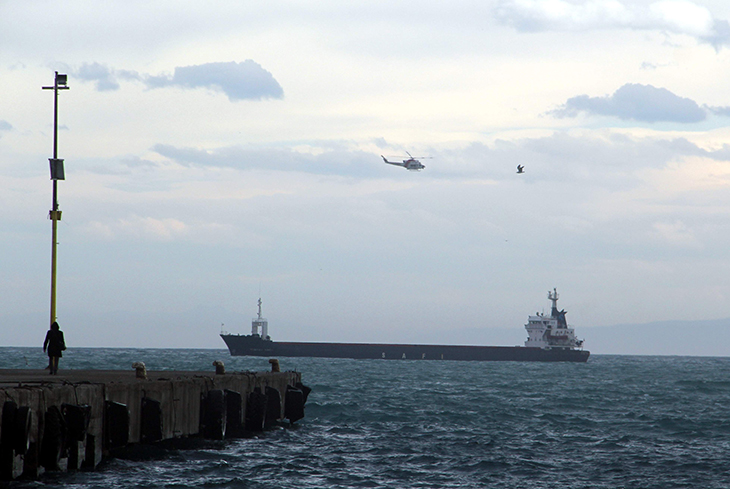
<point>54,365</point>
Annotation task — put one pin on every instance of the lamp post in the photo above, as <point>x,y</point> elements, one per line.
<point>56,175</point>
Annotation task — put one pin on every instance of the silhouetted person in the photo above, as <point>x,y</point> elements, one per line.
<point>55,344</point>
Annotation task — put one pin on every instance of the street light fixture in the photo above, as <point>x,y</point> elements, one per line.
<point>57,174</point>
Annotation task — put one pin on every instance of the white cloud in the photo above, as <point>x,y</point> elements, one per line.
<point>682,17</point>
<point>672,16</point>
<point>140,228</point>
<point>676,233</point>
<point>542,15</point>
<point>329,159</point>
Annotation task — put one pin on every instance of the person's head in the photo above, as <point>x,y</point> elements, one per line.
<point>54,326</point>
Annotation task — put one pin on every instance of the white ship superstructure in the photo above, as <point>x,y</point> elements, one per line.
<point>262,323</point>
<point>552,331</point>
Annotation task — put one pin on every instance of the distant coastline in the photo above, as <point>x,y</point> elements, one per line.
<point>689,338</point>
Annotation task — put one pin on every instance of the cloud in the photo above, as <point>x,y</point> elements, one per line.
<point>239,81</point>
<point>107,79</point>
<point>330,162</point>
<point>668,16</point>
<point>606,161</point>
<point>103,76</point>
<point>139,227</point>
<point>724,111</point>
<point>720,35</point>
<point>637,102</point>
<point>676,234</point>
<point>5,126</point>
<point>246,80</point>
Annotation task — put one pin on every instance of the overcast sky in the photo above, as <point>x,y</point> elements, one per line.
<point>218,151</point>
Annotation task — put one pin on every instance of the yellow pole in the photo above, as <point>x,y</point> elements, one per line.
<point>56,174</point>
<point>54,241</point>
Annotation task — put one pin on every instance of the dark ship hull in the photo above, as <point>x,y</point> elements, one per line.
<point>253,345</point>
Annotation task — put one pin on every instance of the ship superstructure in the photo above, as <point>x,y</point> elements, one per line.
<point>552,331</point>
<point>260,323</point>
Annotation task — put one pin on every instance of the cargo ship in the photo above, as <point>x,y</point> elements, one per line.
<point>549,339</point>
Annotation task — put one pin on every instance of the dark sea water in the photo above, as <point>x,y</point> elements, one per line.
<point>615,422</point>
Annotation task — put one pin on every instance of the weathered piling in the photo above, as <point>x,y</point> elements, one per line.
<point>72,420</point>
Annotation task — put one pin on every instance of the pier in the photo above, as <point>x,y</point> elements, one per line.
<point>72,420</point>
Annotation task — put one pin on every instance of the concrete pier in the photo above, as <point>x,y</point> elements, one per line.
<point>72,420</point>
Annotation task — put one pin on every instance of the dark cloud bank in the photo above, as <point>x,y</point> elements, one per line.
<point>643,103</point>
<point>246,80</point>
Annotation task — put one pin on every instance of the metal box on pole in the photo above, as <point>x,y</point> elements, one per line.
<point>56,169</point>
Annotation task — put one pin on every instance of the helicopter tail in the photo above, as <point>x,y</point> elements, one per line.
<point>388,162</point>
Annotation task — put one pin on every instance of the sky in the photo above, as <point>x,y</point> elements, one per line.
<point>220,152</point>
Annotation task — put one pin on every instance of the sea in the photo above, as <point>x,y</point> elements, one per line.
<point>613,422</point>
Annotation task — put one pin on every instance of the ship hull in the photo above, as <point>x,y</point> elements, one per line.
<point>247,345</point>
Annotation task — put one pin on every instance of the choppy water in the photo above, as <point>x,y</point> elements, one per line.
<point>615,422</point>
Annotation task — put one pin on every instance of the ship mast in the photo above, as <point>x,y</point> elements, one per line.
<point>260,322</point>
<point>553,296</point>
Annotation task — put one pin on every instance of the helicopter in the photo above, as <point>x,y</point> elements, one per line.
<point>409,164</point>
